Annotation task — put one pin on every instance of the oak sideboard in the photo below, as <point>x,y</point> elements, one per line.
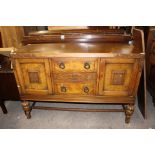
<point>106,72</point>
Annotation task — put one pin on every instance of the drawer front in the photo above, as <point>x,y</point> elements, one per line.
<point>74,88</point>
<point>74,64</point>
<point>74,77</point>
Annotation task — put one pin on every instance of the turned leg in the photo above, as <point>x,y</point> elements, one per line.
<point>2,105</point>
<point>129,109</point>
<point>27,109</point>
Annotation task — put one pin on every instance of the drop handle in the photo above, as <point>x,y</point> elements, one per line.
<point>86,65</point>
<point>86,89</point>
<point>62,65</point>
<point>63,89</point>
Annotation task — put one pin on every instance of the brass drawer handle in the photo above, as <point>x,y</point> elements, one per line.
<point>62,65</point>
<point>86,65</point>
<point>63,89</point>
<point>86,89</point>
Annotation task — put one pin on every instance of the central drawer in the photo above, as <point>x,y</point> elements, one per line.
<point>74,64</point>
<point>74,75</point>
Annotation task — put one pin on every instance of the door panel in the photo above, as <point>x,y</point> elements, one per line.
<point>34,76</point>
<point>117,77</point>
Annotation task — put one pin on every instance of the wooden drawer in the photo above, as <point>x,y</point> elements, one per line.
<point>74,64</point>
<point>74,77</point>
<point>74,88</point>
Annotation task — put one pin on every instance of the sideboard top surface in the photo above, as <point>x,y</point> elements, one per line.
<point>78,48</point>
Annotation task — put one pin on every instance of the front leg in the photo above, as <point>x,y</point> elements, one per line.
<point>27,109</point>
<point>129,109</point>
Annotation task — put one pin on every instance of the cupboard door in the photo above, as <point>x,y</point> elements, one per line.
<point>118,77</point>
<point>34,76</point>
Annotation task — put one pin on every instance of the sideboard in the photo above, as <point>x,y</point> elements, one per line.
<point>106,72</point>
